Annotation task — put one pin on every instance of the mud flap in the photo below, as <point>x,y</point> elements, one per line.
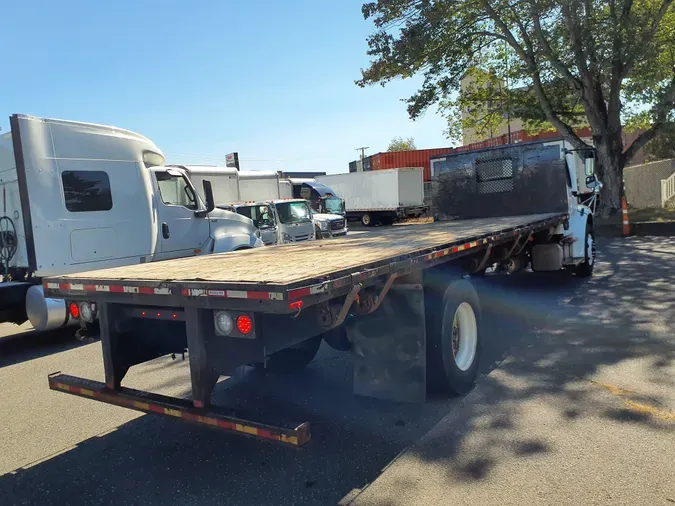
<point>389,345</point>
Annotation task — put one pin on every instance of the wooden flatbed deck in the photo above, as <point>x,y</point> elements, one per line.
<point>297,264</point>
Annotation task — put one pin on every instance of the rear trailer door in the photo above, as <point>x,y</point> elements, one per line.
<point>410,187</point>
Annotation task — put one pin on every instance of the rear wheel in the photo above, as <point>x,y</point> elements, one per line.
<point>293,358</point>
<point>453,338</point>
<point>585,268</point>
<point>366,220</point>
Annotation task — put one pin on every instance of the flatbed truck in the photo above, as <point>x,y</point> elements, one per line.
<point>401,302</point>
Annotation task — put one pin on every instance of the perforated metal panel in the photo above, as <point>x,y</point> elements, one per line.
<point>494,175</point>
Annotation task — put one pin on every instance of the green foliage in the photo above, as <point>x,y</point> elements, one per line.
<point>663,145</point>
<point>554,63</point>
<point>401,144</point>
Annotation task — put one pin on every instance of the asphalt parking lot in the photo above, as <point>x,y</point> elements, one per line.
<point>59,449</point>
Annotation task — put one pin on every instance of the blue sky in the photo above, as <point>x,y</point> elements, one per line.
<point>272,80</point>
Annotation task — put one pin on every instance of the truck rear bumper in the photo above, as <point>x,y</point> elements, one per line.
<point>146,402</point>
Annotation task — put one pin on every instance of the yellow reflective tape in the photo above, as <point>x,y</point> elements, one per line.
<point>208,420</point>
<point>141,405</point>
<point>246,429</point>
<point>172,412</point>
<point>289,439</point>
<point>88,393</point>
<point>63,387</point>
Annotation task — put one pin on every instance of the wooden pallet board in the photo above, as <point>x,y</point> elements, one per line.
<point>292,263</point>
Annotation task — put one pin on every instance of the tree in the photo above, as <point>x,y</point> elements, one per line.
<point>401,144</point>
<point>606,63</point>
<point>663,145</point>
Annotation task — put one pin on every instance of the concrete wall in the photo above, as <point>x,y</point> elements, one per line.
<point>643,182</point>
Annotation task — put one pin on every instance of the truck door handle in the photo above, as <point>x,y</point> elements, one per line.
<point>165,230</point>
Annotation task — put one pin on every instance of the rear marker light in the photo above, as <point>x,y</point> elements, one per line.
<point>223,323</point>
<point>174,315</point>
<point>74,310</point>
<point>295,305</point>
<point>244,324</point>
<point>143,313</point>
<point>159,314</point>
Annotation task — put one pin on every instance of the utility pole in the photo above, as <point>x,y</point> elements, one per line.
<point>363,155</point>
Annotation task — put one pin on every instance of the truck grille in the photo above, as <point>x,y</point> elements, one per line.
<point>337,225</point>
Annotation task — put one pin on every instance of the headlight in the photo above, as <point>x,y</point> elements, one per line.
<point>223,323</point>
<point>286,237</point>
<point>87,312</point>
<point>323,225</point>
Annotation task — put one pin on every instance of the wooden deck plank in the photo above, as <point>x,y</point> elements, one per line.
<point>287,264</point>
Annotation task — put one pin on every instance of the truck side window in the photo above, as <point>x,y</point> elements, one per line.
<point>175,190</point>
<point>86,190</point>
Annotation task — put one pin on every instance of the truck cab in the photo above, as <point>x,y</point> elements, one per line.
<point>329,209</point>
<point>279,221</point>
<point>80,196</point>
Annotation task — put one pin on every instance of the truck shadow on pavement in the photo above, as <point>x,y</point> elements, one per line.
<point>602,359</point>
<point>550,338</point>
<point>30,344</point>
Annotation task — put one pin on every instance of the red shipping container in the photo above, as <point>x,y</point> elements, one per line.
<point>405,159</point>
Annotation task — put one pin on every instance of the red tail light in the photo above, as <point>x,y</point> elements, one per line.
<point>244,324</point>
<point>74,310</point>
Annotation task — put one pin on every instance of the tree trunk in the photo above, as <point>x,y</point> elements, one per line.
<point>609,168</point>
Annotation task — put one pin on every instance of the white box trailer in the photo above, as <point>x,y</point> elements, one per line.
<point>231,186</point>
<point>379,196</point>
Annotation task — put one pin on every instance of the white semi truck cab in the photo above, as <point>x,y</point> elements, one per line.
<point>279,221</point>
<point>79,197</point>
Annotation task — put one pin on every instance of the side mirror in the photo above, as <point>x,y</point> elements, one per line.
<point>589,166</point>
<point>210,204</point>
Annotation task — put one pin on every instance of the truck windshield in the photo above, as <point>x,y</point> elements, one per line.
<point>293,212</point>
<point>260,214</point>
<point>334,205</point>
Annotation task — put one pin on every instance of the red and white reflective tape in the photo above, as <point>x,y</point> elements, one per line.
<point>231,294</point>
<point>80,287</point>
<point>309,290</point>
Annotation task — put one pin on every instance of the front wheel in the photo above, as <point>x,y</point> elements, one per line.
<point>366,220</point>
<point>585,268</point>
<point>453,339</point>
<point>293,358</point>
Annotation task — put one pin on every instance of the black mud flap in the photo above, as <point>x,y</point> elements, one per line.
<point>389,345</point>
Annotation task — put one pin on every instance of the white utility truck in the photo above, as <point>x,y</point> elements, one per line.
<point>401,302</point>
<point>329,209</point>
<point>78,197</point>
<point>255,191</point>
<point>279,221</point>
<point>379,196</point>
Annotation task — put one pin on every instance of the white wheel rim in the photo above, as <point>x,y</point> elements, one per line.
<point>366,220</point>
<point>464,336</point>
<point>590,254</point>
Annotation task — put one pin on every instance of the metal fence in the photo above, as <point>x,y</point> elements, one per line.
<point>643,183</point>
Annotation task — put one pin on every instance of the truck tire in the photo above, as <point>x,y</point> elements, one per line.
<point>453,338</point>
<point>293,358</point>
<point>585,268</point>
<point>366,220</point>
